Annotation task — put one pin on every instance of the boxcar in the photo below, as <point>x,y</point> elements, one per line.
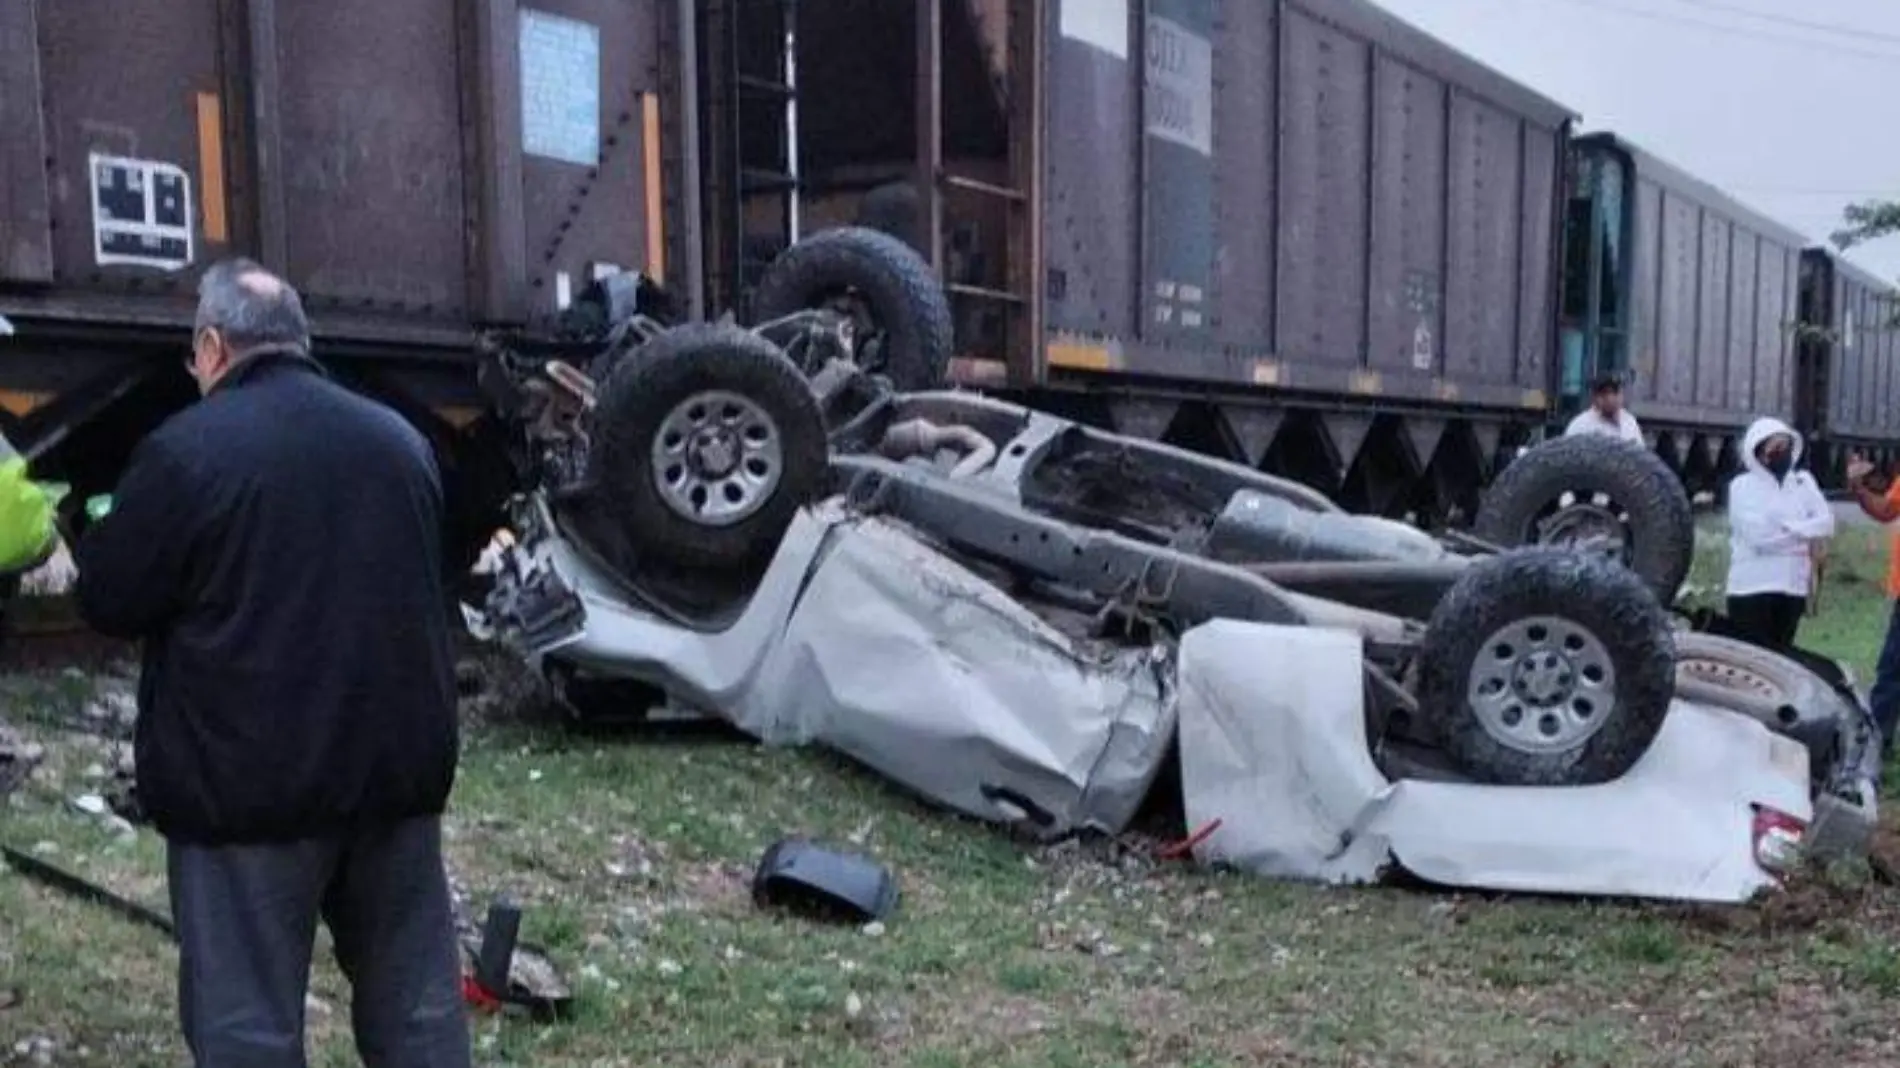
<point>1298,233</point>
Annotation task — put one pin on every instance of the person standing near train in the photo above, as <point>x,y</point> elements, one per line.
<point>1606,414</point>
<point>1777,518</point>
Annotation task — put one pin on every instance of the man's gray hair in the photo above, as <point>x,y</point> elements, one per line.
<point>253,308</point>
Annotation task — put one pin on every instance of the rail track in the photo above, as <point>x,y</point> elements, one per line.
<point>33,641</point>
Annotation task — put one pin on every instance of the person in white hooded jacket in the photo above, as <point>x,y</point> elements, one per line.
<point>1776,517</point>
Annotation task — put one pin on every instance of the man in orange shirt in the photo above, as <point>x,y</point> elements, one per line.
<point>1880,499</point>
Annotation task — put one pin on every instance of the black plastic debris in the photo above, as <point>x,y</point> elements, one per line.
<point>66,882</point>
<point>512,976</point>
<point>803,877</point>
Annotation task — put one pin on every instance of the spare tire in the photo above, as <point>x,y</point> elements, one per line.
<point>1648,510</point>
<point>706,442</point>
<point>1546,667</point>
<point>1776,691</point>
<point>902,314</point>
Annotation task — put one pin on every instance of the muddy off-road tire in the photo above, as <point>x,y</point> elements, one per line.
<point>706,442</point>
<point>1660,528</point>
<point>896,288</point>
<point>1546,667</point>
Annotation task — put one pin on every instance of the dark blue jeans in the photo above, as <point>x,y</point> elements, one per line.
<point>247,925</point>
<point>1885,696</point>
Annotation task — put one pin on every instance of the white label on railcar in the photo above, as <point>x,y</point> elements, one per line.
<point>1102,23</point>
<point>141,213</point>
<point>1180,86</point>
<point>1422,348</point>
<point>560,88</point>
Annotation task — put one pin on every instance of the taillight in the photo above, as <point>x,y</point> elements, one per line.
<point>1777,839</point>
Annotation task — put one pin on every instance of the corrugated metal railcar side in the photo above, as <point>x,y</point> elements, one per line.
<point>413,166</point>
<point>1713,300</point>
<point>1861,335</point>
<point>1305,194</point>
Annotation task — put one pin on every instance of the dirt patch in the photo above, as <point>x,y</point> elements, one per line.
<point>995,1018</point>
<point>713,887</point>
<point>496,687</point>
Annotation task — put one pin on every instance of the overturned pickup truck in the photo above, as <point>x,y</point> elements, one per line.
<point>1034,622</point>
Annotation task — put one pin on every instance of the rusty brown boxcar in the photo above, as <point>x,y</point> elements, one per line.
<point>1299,233</point>
<point>415,167</point>
<point>1309,196</point>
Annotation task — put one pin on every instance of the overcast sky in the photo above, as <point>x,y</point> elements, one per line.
<point>1794,113</point>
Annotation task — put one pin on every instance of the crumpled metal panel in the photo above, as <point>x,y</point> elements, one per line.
<point>862,640</point>
<point>914,666</point>
<point>1274,748</point>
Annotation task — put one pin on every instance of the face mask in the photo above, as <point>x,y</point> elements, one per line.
<point>1779,464</point>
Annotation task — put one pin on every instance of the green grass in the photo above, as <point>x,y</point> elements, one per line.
<point>632,858</point>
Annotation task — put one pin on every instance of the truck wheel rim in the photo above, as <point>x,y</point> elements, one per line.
<point>1542,685</point>
<point>1591,527</point>
<point>717,458</point>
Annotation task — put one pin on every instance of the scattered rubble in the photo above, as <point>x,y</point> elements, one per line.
<point>38,1049</point>
<point>112,712</point>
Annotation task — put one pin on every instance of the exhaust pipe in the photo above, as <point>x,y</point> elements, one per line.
<point>920,437</point>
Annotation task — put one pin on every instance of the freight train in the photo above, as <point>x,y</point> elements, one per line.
<point>1297,233</point>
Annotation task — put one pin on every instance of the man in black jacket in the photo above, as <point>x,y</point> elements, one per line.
<point>277,548</point>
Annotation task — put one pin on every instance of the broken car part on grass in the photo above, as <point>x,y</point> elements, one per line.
<point>1019,616</point>
<point>507,975</point>
<point>66,882</point>
<point>813,880</point>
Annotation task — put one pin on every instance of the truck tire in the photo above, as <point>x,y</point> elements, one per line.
<point>885,284</point>
<point>706,443</point>
<point>1546,667</point>
<point>1658,534</point>
<point>891,208</point>
<point>1778,692</point>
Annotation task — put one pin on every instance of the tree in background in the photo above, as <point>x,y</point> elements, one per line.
<point>1867,221</point>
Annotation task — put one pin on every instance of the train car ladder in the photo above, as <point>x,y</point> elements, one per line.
<point>747,250</point>
<point>1022,90</point>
